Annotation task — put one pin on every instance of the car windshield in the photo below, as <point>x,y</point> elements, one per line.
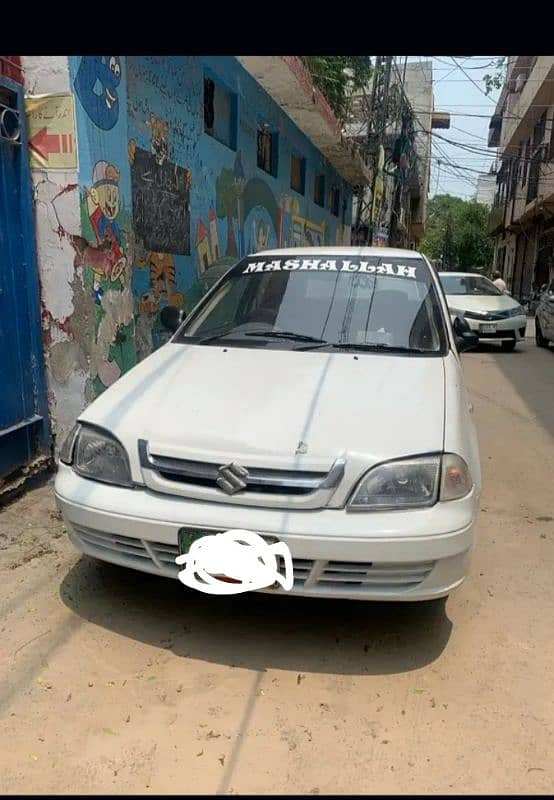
<point>468,284</point>
<point>307,302</point>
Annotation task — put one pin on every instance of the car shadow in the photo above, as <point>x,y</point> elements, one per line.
<point>258,632</point>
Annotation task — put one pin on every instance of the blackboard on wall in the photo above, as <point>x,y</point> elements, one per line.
<point>161,212</point>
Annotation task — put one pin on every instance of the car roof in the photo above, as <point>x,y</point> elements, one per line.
<point>390,252</point>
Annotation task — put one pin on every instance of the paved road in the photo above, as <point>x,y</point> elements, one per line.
<point>115,682</point>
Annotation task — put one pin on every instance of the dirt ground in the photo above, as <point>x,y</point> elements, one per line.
<point>117,682</point>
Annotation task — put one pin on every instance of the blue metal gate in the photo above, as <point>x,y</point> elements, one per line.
<point>24,429</point>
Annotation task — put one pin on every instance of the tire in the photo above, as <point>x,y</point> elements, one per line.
<point>540,340</point>
<point>508,346</point>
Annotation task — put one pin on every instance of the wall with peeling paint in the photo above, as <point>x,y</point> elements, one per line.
<point>66,317</point>
<point>108,259</point>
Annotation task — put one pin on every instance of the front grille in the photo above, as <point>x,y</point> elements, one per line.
<point>509,334</point>
<point>238,483</point>
<point>271,481</point>
<point>489,316</point>
<point>311,576</point>
<point>140,552</point>
<point>253,485</point>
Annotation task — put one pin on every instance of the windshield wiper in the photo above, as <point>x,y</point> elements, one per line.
<point>298,337</point>
<point>378,347</point>
<point>213,336</point>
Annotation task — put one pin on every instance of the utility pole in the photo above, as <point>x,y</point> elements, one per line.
<point>375,138</point>
<point>439,162</point>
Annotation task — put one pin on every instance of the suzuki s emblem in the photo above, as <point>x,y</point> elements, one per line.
<point>232,478</point>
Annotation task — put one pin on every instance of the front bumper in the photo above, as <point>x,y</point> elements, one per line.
<point>505,329</point>
<point>402,555</point>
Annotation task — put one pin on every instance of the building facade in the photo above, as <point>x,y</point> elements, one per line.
<point>486,188</point>
<point>522,216</point>
<point>152,175</point>
<point>396,204</point>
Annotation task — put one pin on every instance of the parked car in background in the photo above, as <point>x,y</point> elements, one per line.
<point>313,396</point>
<point>490,312</point>
<point>544,316</point>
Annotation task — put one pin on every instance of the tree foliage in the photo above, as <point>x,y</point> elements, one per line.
<point>457,233</point>
<point>337,77</point>
<point>495,80</point>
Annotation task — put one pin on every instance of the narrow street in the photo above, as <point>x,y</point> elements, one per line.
<point>115,681</point>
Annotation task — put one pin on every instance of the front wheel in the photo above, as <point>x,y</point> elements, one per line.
<point>509,346</point>
<point>540,340</point>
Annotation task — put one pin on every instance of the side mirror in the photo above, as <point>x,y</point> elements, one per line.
<point>466,339</point>
<point>171,317</point>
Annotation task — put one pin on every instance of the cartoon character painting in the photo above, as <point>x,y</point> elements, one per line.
<point>159,142</point>
<point>103,206</point>
<point>96,84</point>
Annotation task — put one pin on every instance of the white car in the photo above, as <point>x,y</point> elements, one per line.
<point>490,312</point>
<point>315,397</point>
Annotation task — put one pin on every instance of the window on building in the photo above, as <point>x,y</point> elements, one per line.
<point>220,113</point>
<point>319,190</point>
<point>538,131</point>
<point>334,201</point>
<point>534,175</point>
<point>267,148</point>
<point>298,173</point>
<point>513,177</point>
<point>526,156</point>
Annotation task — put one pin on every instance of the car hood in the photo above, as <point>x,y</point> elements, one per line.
<point>468,302</point>
<point>276,408</point>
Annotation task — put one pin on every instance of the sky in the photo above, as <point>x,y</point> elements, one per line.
<point>455,93</point>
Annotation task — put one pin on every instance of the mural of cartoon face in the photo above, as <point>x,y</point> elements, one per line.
<point>260,224</point>
<point>96,84</point>
<point>106,195</point>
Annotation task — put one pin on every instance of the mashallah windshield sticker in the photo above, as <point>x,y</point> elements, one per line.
<point>332,265</point>
<point>234,561</point>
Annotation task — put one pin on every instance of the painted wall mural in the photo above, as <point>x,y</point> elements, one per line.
<point>167,208</point>
<point>96,84</point>
<point>103,246</point>
<point>107,274</point>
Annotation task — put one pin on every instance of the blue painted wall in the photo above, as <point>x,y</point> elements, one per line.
<point>126,105</point>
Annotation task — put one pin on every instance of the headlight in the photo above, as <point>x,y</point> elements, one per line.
<point>99,456</point>
<point>457,312</point>
<point>412,483</point>
<point>399,484</point>
<point>518,311</point>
